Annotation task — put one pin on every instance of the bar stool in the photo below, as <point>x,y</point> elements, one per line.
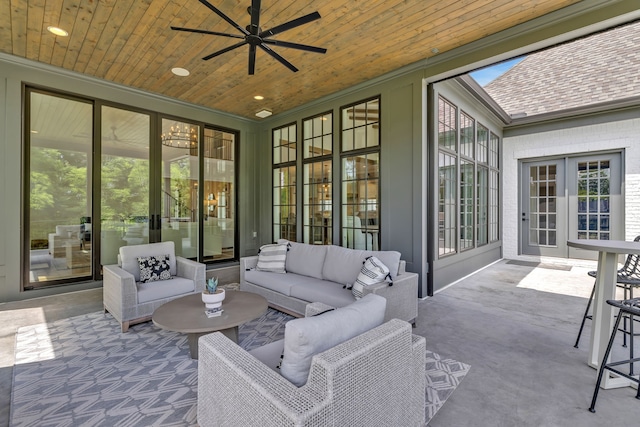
<point>628,279</point>
<point>632,308</point>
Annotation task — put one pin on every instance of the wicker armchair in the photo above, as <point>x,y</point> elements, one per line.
<point>374,379</point>
<point>130,301</point>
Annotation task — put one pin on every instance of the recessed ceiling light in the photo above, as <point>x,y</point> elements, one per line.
<point>264,113</point>
<point>258,97</point>
<point>57,31</point>
<point>182,72</point>
<point>34,131</point>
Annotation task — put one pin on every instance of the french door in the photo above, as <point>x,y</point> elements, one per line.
<point>570,198</point>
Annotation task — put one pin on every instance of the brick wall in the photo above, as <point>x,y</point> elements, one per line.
<point>621,135</point>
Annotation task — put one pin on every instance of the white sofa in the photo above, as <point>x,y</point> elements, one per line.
<point>129,300</point>
<point>319,273</point>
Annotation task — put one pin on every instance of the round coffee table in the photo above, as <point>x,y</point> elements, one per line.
<point>186,315</point>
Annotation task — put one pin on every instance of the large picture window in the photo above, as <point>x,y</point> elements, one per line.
<point>468,178</point>
<point>284,182</point>
<point>360,171</point>
<point>317,175</point>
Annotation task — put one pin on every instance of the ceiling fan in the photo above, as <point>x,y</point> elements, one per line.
<point>255,37</point>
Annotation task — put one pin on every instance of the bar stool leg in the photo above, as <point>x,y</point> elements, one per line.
<point>603,364</point>
<point>631,322</point>
<point>586,314</point>
<point>624,324</point>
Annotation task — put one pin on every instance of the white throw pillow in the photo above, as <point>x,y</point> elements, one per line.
<point>373,271</point>
<point>272,258</point>
<point>306,337</point>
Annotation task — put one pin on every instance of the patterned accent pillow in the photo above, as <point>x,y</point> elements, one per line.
<point>153,268</point>
<point>373,271</point>
<point>272,258</point>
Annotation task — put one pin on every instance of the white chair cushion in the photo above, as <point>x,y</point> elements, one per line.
<point>152,291</point>
<point>306,337</point>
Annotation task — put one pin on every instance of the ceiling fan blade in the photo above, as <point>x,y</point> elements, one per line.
<point>295,46</point>
<point>225,50</point>
<point>279,58</point>
<point>214,33</point>
<point>255,17</point>
<point>289,25</point>
<point>223,16</point>
<point>252,59</point>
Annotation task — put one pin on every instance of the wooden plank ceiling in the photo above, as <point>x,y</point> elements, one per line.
<point>130,43</point>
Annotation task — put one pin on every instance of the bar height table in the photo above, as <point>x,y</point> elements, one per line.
<point>603,313</point>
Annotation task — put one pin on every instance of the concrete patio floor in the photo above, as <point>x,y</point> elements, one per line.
<point>515,324</point>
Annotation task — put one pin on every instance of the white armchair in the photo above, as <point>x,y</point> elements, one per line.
<point>129,301</point>
<point>376,378</point>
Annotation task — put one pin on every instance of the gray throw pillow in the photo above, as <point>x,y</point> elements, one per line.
<point>306,337</point>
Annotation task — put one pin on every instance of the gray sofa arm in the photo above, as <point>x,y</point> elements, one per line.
<point>119,290</point>
<point>402,297</point>
<point>236,389</point>
<point>191,270</point>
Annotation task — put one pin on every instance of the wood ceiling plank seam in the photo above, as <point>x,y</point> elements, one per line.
<point>6,37</point>
<point>86,11</point>
<point>167,42</point>
<point>503,18</point>
<point>19,27</point>
<point>138,9</point>
<point>155,73</point>
<point>35,19</point>
<point>129,54</point>
<point>67,18</point>
<point>118,14</point>
<point>91,37</point>
<point>146,54</point>
<point>154,53</point>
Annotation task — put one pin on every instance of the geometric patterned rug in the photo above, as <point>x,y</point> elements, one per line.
<point>82,371</point>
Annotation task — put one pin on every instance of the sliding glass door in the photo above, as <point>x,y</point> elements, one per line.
<point>58,196</point>
<point>125,183</point>
<point>151,179</point>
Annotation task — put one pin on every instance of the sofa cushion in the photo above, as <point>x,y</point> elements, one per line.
<point>164,289</point>
<point>305,259</point>
<point>154,268</point>
<point>281,283</point>
<point>330,293</point>
<point>373,271</point>
<point>128,256</point>
<point>342,265</point>
<point>272,258</point>
<point>306,337</point>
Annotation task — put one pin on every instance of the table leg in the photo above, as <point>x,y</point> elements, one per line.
<point>603,316</point>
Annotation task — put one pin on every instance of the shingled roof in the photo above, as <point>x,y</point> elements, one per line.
<point>599,68</point>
